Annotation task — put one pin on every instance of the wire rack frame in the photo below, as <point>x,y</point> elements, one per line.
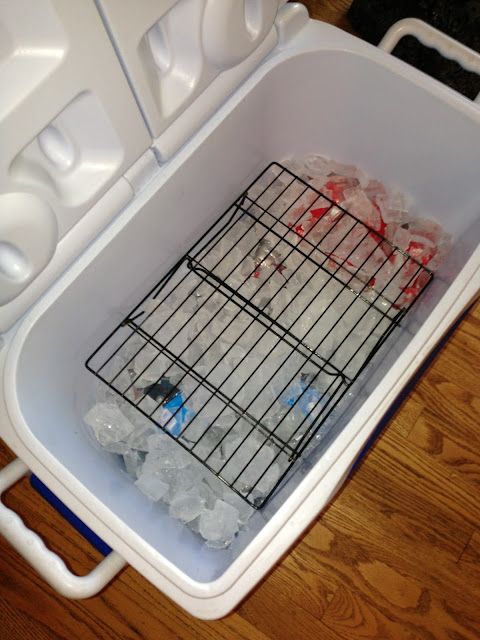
<point>270,210</point>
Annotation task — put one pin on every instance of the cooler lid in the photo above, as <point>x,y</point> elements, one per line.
<point>183,57</point>
<point>93,97</point>
<point>64,142</point>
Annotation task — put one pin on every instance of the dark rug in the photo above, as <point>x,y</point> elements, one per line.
<point>460,19</point>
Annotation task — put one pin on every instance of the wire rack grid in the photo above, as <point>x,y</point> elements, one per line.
<point>243,352</point>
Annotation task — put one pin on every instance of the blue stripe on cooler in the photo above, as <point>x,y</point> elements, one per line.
<point>69,516</point>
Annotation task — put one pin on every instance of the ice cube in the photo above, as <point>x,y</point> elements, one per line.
<point>362,177</point>
<point>341,169</point>
<point>199,400</point>
<point>227,326</point>
<point>336,186</point>
<point>226,419</point>
<point>364,320</point>
<point>317,166</point>
<point>269,181</point>
<point>278,297</point>
<point>148,406</point>
<point>426,227</point>
<point>186,506</point>
<point>357,203</point>
<point>219,525</point>
<point>215,484</point>
<point>120,375</point>
<point>133,461</point>
<point>207,447</point>
<point>206,493</point>
<point>148,365</point>
<point>298,213</point>
<point>230,445</point>
<point>247,460</point>
<point>331,231</point>
<point>270,478</point>
<point>155,313</point>
<point>296,167</point>
<point>186,478</point>
<point>168,453</point>
<point>132,414</point>
<point>375,190</point>
<point>117,447</point>
<point>194,293</point>
<point>283,421</point>
<point>364,255</point>
<point>443,248</point>
<point>397,202</point>
<point>392,217</point>
<point>428,242</point>
<point>195,429</point>
<point>138,439</point>
<point>401,238</point>
<point>245,511</point>
<point>108,423</point>
<point>318,183</point>
<point>152,486</point>
<point>421,248</point>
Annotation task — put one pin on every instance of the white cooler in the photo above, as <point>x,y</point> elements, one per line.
<point>126,129</point>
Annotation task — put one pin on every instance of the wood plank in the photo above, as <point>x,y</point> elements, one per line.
<point>404,419</point>
<point>110,614</point>
<point>424,512</point>
<point>306,587</point>
<point>469,560</point>
<point>332,11</point>
<point>435,436</point>
<point>353,617</point>
<point>453,499</point>
<point>273,612</point>
<point>451,400</point>
<point>365,535</point>
<point>16,624</point>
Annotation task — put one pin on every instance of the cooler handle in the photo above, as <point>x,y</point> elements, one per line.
<point>48,564</point>
<point>435,39</point>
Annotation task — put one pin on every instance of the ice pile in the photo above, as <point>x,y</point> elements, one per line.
<point>353,249</point>
<point>165,472</point>
<point>244,373</point>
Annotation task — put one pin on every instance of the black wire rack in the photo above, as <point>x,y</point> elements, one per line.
<point>243,352</point>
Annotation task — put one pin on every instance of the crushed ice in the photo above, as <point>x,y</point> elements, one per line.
<point>254,369</point>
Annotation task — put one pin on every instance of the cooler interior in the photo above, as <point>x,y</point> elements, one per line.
<point>339,104</point>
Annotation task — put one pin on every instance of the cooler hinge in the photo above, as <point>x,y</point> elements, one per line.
<point>142,171</point>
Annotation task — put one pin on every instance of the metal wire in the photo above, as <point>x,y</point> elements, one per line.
<point>279,390</point>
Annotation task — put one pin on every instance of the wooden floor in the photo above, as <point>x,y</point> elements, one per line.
<point>396,556</point>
